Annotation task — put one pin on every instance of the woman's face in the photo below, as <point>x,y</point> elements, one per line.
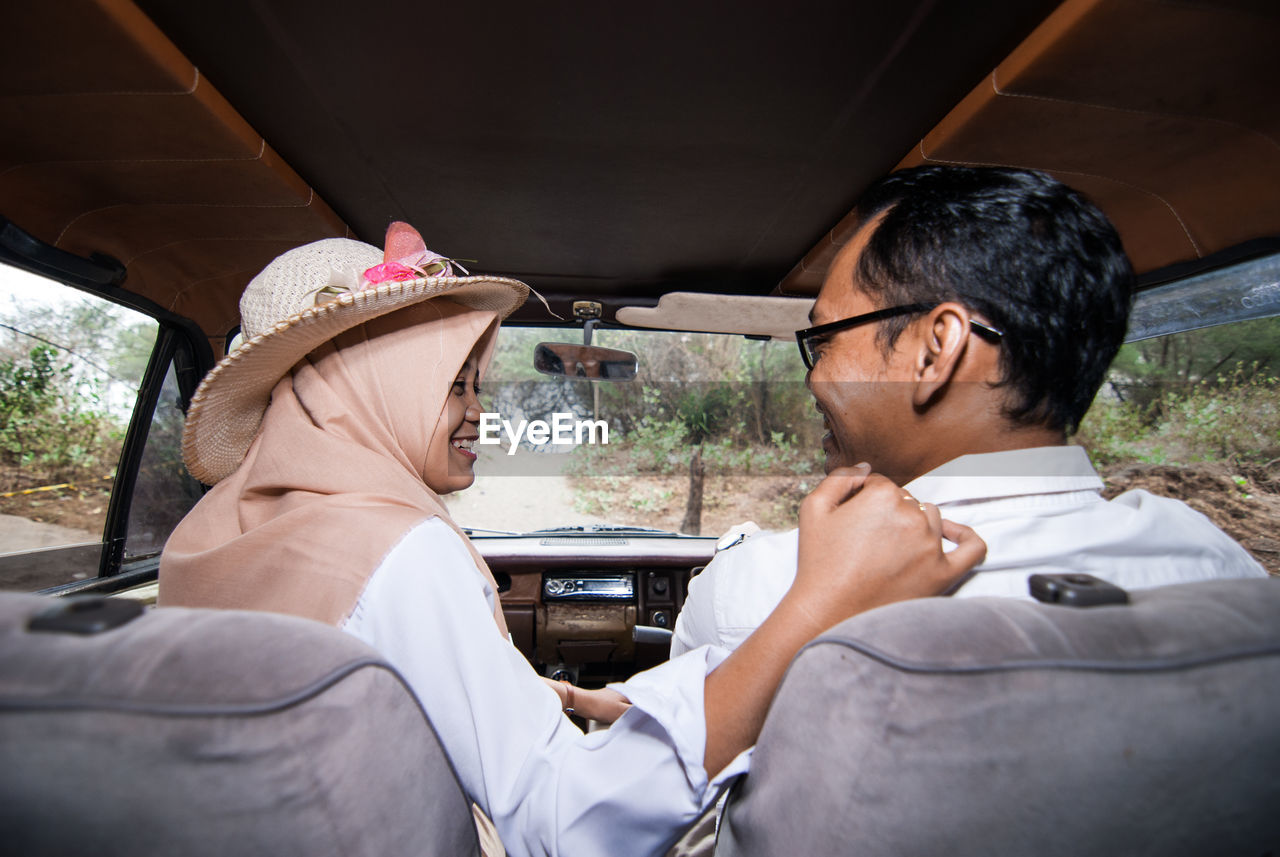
<point>449,455</point>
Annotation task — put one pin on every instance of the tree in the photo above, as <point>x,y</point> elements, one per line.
<point>50,422</point>
<point>70,366</point>
<point>1146,373</point>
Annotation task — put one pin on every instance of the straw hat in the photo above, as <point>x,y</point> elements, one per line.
<point>301,300</point>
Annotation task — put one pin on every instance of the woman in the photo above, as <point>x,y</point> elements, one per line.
<point>331,435</point>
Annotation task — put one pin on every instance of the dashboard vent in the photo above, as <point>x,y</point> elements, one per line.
<point>586,541</point>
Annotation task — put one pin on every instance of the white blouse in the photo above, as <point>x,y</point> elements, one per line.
<point>549,788</point>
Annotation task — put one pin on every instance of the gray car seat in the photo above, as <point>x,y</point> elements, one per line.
<point>202,732</point>
<point>1001,727</point>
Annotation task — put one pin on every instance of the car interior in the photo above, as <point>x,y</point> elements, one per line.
<point>669,167</point>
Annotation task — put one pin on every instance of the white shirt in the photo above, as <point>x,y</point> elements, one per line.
<point>1040,511</point>
<point>549,788</point>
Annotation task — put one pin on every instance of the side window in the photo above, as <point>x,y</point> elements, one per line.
<point>71,366</point>
<point>1196,416</point>
<point>164,491</point>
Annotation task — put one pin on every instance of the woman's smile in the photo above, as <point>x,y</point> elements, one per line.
<point>462,446</point>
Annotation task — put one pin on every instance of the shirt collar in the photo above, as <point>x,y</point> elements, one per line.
<point>1011,473</point>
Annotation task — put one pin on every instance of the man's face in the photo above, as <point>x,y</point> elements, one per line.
<point>863,394</point>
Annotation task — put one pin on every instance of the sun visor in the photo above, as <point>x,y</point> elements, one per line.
<point>778,318</point>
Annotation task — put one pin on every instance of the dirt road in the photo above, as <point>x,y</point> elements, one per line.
<point>521,492</point>
<point>516,503</point>
<point>20,534</point>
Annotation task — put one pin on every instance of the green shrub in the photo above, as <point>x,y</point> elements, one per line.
<point>1232,418</point>
<point>663,448</point>
<point>45,426</point>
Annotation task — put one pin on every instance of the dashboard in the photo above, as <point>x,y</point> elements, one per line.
<point>594,608</point>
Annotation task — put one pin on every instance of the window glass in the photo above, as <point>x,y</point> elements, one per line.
<point>1196,416</point>
<point>738,406</point>
<point>70,368</point>
<point>164,490</point>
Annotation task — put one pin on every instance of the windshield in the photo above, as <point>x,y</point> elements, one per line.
<point>715,430</point>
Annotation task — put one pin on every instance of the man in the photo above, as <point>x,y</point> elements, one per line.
<point>959,338</point>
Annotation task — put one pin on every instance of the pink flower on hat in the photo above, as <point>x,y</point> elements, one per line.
<point>390,271</point>
<point>406,257</point>
<point>428,264</point>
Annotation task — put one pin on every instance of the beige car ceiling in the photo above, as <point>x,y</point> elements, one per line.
<point>1167,112</point>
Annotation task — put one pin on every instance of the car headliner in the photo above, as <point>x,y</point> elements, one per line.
<point>614,151</point>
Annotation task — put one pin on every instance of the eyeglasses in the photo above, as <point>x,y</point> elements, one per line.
<point>811,337</point>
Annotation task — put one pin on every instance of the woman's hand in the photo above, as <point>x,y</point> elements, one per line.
<point>603,705</point>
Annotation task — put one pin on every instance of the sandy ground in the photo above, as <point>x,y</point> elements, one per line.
<point>520,493</point>
<point>519,503</point>
<point>20,534</point>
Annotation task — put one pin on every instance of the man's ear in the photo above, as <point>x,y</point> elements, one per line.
<point>943,338</point>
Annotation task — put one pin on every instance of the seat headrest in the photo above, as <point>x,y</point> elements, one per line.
<point>209,732</point>
<point>995,726</point>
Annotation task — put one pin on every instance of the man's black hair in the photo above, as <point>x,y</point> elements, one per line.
<point>1023,251</point>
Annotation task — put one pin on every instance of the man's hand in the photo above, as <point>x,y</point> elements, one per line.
<point>865,542</point>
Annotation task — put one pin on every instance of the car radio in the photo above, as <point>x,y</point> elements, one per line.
<point>580,587</point>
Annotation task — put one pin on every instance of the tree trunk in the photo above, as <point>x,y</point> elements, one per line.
<point>762,395</point>
<point>692,523</point>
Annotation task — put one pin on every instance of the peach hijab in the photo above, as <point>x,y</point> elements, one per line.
<point>335,478</point>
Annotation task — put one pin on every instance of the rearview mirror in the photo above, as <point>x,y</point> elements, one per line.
<point>584,361</point>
